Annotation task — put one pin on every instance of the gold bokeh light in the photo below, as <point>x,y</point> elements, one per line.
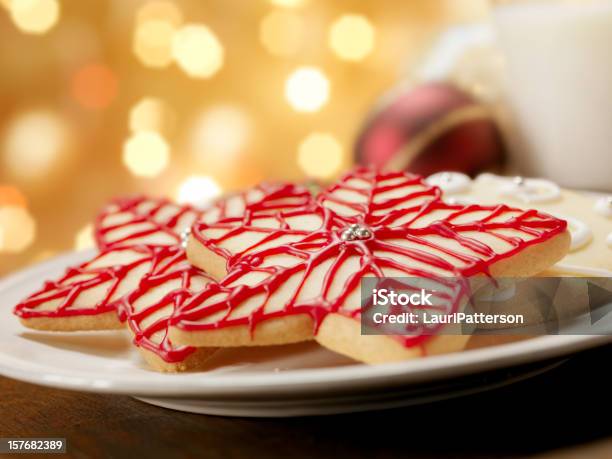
<point>320,155</point>
<point>151,114</point>
<point>352,37</point>
<point>219,135</point>
<point>198,191</point>
<point>159,10</point>
<point>307,89</point>
<point>281,33</point>
<point>34,16</point>
<point>17,229</point>
<point>84,238</point>
<point>152,43</point>
<point>146,154</point>
<point>34,142</point>
<point>288,3</point>
<point>155,26</point>
<point>197,51</point>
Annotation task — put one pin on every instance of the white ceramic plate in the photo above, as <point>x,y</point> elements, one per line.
<point>273,381</point>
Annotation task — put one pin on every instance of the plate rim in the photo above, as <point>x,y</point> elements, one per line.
<point>329,406</point>
<point>351,377</point>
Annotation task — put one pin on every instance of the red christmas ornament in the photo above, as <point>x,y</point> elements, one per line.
<point>430,128</point>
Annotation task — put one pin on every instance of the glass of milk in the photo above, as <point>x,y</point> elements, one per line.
<point>559,78</point>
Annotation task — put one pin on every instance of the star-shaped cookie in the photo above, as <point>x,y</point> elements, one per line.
<point>288,276</point>
<point>140,252</point>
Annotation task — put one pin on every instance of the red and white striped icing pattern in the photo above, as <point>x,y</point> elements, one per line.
<point>296,261</point>
<point>139,238</point>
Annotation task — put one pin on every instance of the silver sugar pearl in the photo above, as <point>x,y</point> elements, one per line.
<point>363,233</point>
<point>518,180</point>
<point>185,237</point>
<point>347,235</point>
<point>355,232</point>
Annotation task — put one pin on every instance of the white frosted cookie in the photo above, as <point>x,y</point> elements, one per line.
<point>295,275</point>
<point>139,220</point>
<point>172,281</point>
<point>85,297</point>
<point>263,197</point>
<point>137,238</point>
<point>589,218</point>
<point>129,232</point>
<point>142,220</point>
<point>142,224</point>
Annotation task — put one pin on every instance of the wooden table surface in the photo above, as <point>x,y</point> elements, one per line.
<point>564,409</point>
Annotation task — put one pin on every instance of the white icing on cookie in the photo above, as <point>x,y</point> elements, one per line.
<point>450,182</point>
<point>530,190</point>
<point>580,232</point>
<point>564,268</point>
<point>603,206</point>
<point>609,240</point>
<point>461,201</point>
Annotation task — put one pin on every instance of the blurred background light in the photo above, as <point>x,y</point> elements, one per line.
<point>152,114</point>
<point>197,51</point>
<point>307,89</point>
<point>34,16</point>
<point>198,191</point>
<point>17,229</point>
<point>288,3</point>
<point>34,142</point>
<point>281,33</point>
<point>351,37</point>
<point>152,43</point>
<point>219,135</point>
<point>84,238</point>
<point>11,196</point>
<point>146,154</point>
<point>159,10</point>
<point>320,155</point>
<point>94,86</point>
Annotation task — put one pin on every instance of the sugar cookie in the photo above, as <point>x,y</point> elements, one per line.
<point>142,220</point>
<point>590,219</point>
<point>294,275</point>
<point>85,297</point>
